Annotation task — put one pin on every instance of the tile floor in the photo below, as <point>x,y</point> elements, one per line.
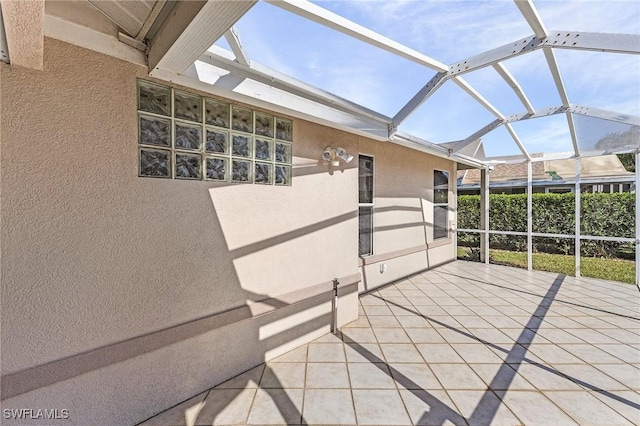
<point>462,344</point>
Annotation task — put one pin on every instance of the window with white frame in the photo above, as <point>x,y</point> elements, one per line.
<point>365,205</point>
<point>440,204</point>
<point>186,136</point>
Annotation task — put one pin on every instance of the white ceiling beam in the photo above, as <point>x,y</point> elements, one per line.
<point>233,38</point>
<point>419,98</point>
<point>205,77</point>
<point>191,29</point>
<point>219,57</point>
<point>459,146</point>
<point>24,32</point>
<point>79,35</point>
<point>477,96</point>
<point>438,150</point>
<point>329,19</point>
<point>632,120</point>
<point>557,78</point>
<point>515,86</point>
<point>151,19</point>
<point>530,13</point>
<point>515,137</point>
<point>598,42</point>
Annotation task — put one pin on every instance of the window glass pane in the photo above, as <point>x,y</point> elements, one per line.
<point>188,136</point>
<point>154,98</point>
<point>264,124</point>
<point>440,218</point>
<point>154,131</point>
<point>283,153</point>
<point>283,175</point>
<point>217,113</point>
<point>216,142</point>
<point>284,129</point>
<point>365,179</point>
<point>263,173</point>
<point>263,149</point>
<point>188,166</point>
<point>365,231</point>
<point>242,119</point>
<point>240,145</point>
<point>240,170</point>
<point>187,106</point>
<point>217,168</point>
<point>155,163</point>
<point>440,187</point>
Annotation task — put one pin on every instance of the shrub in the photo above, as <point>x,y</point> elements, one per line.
<point>603,214</point>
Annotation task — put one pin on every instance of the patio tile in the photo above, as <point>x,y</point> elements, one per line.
<point>296,355</point>
<point>327,376</point>
<point>226,407</point>
<point>380,407</point>
<point>589,377</point>
<point>591,336</point>
<point>476,353</point>
<point>359,335</point>
<point>391,335</point>
<point>434,353</point>
<point>400,352</point>
<point>371,300</point>
<point>491,335</point>
<point>377,310</point>
<point>546,378</point>
<point>432,311</point>
<point>328,406</point>
<point>383,321</point>
<point>283,375</point>
<point>430,407</point>
<point>277,406</point>
<point>370,376</point>
<point>482,408</point>
<point>326,352</point>
<point>424,335</point>
<point>586,409</point>
<point>501,377</point>
<point>413,321</point>
<point>185,413</point>
<point>361,322</point>
<point>553,354</point>
<point>623,402</point>
<point>363,352</point>
<point>247,380</point>
<point>414,376</point>
<point>533,408</point>
<point>624,373</point>
<point>591,354</point>
<point>457,335</point>
<point>403,311</point>
<point>624,352</point>
<point>558,335</point>
<point>457,376</point>
<point>330,338</point>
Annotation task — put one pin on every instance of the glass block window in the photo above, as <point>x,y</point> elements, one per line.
<point>440,204</point>
<point>182,135</point>
<point>365,205</point>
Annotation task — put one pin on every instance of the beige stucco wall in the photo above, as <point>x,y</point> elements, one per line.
<point>403,213</point>
<point>93,255</point>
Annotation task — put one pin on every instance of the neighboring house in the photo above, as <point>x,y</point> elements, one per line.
<point>597,174</point>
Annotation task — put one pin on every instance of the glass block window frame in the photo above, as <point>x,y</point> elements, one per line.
<point>186,136</point>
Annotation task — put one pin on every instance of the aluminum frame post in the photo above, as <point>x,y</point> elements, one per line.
<point>578,213</point>
<point>637,221</point>
<point>529,216</point>
<point>484,215</point>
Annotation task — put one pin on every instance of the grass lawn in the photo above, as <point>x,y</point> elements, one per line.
<point>607,269</point>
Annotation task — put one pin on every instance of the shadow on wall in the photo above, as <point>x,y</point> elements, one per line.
<point>243,253</point>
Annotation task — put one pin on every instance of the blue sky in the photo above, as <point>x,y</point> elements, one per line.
<point>449,31</point>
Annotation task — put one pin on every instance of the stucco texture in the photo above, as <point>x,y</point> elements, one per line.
<point>93,255</point>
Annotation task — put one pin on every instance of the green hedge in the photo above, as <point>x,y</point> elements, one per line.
<point>602,214</point>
